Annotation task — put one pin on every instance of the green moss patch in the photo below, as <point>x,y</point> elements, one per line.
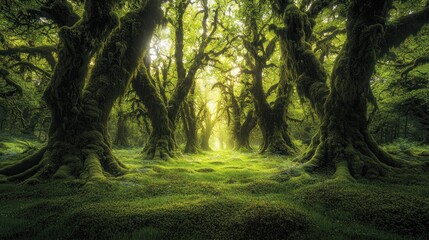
<point>389,210</point>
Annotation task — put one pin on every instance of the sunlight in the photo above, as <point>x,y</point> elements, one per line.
<point>160,45</point>
<point>235,72</point>
<point>212,106</point>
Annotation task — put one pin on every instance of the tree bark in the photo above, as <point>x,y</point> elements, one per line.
<point>185,81</point>
<point>343,142</point>
<point>299,63</point>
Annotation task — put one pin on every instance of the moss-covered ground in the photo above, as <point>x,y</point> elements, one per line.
<point>215,195</point>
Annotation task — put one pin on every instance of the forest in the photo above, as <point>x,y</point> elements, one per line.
<point>214,119</point>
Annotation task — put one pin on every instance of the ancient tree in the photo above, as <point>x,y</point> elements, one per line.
<point>78,145</point>
<point>271,119</point>
<point>343,143</point>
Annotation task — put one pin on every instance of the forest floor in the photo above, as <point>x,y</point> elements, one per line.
<point>215,195</point>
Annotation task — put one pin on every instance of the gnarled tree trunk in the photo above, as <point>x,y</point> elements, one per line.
<point>79,144</point>
<point>162,139</point>
<point>344,143</point>
<point>271,120</point>
<point>299,63</point>
<point>161,142</point>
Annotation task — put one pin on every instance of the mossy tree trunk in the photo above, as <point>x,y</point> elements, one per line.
<point>79,144</point>
<point>271,120</point>
<point>343,143</point>
<point>121,137</point>
<point>186,77</point>
<point>161,142</point>
<point>189,119</point>
<point>299,64</point>
<point>243,136</point>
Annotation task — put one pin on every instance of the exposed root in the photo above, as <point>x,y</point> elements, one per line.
<point>192,149</point>
<point>159,147</point>
<point>315,141</point>
<point>282,148</point>
<point>64,161</point>
<point>278,144</point>
<point>24,164</point>
<point>351,160</point>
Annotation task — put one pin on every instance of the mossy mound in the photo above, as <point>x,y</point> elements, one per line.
<point>266,221</point>
<point>196,218</point>
<point>398,212</point>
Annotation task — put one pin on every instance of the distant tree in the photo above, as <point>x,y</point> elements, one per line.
<point>238,108</point>
<point>164,115</point>
<point>271,119</point>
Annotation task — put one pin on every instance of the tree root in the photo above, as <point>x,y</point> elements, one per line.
<point>64,161</point>
<point>349,160</point>
<point>278,144</point>
<point>24,164</point>
<point>159,147</point>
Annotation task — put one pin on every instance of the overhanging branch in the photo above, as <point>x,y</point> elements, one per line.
<point>42,51</point>
<point>397,31</point>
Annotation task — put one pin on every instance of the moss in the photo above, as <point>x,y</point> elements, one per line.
<point>388,210</point>
<point>268,221</point>
<point>186,219</point>
<point>263,187</point>
<point>424,154</point>
<point>250,198</point>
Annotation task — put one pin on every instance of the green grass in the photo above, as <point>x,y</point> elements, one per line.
<point>216,195</point>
